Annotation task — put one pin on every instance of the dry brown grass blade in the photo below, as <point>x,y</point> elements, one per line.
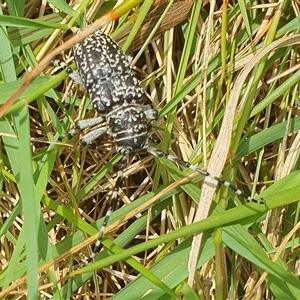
<point>178,12</point>
<point>220,152</point>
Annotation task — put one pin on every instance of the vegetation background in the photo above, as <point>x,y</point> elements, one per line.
<point>195,59</point>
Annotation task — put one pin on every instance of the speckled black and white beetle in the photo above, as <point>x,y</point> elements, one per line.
<point>115,93</point>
